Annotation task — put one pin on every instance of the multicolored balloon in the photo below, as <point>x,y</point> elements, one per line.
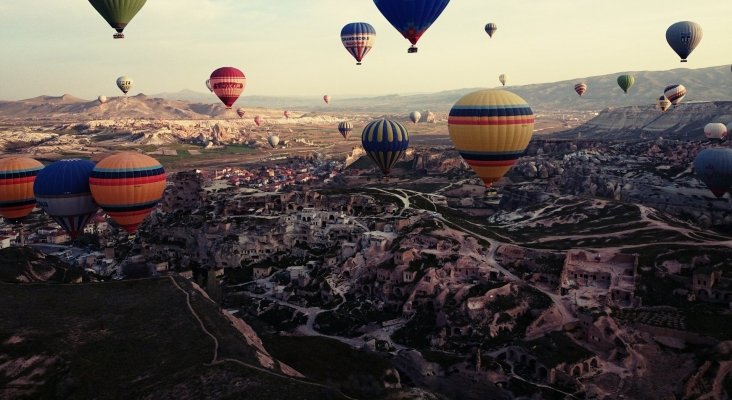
<point>62,191</point>
<point>385,142</point>
<point>580,88</point>
<point>241,112</point>
<point>358,38</point>
<point>411,18</point>
<point>491,129</point>
<point>326,99</point>
<point>287,114</point>
<point>118,13</point>
<point>228,83</point>
<point>491,28</point>
<point>415,116</point>
<point>683,37</point>
<point>625,82</point>
<point>102,99</point>
<point>663,103</point>
<point>273,140</point>
<point>675,93</point>
<point>124,83</point>
<point>715,130</point>
<point>258,120</point>
<point>714,167</point>
<point>345,129</point>
<point>17,175</point>
<point>503,78</point>
<point>128,186</point>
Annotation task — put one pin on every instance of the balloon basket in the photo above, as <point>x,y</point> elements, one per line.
<point>119,36</point>
<point>683,60</point>
<point>358,63</point>
<point>412,49</point>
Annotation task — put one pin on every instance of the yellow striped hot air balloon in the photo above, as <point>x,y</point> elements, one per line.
<point>491,129</point>
<point>385,141</point>
<point>17,175</point>
<point>128,186</point>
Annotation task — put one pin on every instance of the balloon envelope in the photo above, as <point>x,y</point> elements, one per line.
<point>385,141</point>
<point>415,116</point>
<point>102,99</point>
<point>124,83</point>
<point>17,175</point>
<point>715,130</point>
<point>228,83</point>
<point>625,82</point>
<point>326,99</point>
<point>714,168</point>
<point>287,114</point>
<point>683,37</point>
<point>663,103</point>
<point>491,28</point>
<point>241,112</point>
<point>411,18</point>
<point>491,129</point>
<point>258,120</point>
<point>273,140</point>
<point>580,88</point>
<point>128,186</point>
<point>62,191</point>
<point>503,78</point>
<point>118,13</point>
<point>674,93</point>
<point>345,129</point>
<point>358,38</point>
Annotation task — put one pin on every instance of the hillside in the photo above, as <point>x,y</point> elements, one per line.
<point>134,339</point>
<point>685,122</point>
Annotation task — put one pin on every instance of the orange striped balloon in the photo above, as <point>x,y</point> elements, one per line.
<point>17,175</point>
<point>128,186</point>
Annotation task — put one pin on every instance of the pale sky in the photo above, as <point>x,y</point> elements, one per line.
<point>292,47</point>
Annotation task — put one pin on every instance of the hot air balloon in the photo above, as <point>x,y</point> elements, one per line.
<point>580,88</point>
<point>273,140</point>
<point>62,191</point>
<point>102,99</point>
<point>430,117</point>
<point>208,85</point>
<point>17,175</point>
<point>287,114</point>
<point>415,116</point>
<point>118,13</point>
<point>625,82</point>
<point>124,83</point>
<point>128,186</point>
<point>714,168</point>
<point>345,129</point>
<point>683,37</point>
<point>663,103</point>
<point>715,130</point>
<point>241,112</point>
<point>326,99</point>
<point>385,141</point>
<point>674,93</point>
<point>411,18</point>
<point>491,129</point>
<point>228,83</point>
<point>358,38</point>
<point>258,120</point>
<point>491,28</point>
<point>503,78</point>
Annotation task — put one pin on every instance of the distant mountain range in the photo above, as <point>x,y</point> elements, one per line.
<point>705,84</point>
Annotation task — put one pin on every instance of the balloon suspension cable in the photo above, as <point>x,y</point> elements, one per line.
<point>119,35</point>
<point>412,49</point>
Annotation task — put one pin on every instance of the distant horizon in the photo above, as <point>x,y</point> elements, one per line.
<point>344,96</point>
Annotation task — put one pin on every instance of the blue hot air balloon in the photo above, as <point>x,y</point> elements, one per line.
<point>713,166</point>
<point>62,191</point>
<point>385,141</point>
<point>411,17</point>
<point>358,38</point>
